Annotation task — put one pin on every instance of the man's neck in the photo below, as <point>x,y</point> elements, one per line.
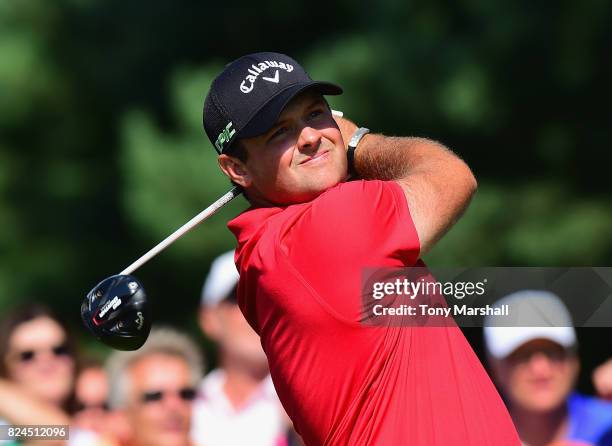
<point>241,380</point>
<point>136,441</point>
<point>256,200</point>
<point>539,429</point>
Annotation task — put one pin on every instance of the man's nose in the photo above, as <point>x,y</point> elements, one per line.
<point>175,402</point>
<point>309,139</point>
<point>540,363</point>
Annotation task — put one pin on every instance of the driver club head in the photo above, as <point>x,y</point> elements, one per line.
<point>118,313</point>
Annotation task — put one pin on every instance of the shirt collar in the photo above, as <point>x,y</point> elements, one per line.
<point>248,223</point>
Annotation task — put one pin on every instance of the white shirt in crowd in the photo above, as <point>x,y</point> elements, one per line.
<point>260,421</point>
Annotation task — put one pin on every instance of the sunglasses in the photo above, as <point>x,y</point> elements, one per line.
<point>58,351</point>
<point>185,394</point>
<point>554,355</point>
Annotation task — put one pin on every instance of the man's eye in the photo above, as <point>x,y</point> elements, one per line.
<point>315,113</point>
<point>280,131</point>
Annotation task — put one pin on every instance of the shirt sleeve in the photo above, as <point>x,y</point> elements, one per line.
<point>350,227</point>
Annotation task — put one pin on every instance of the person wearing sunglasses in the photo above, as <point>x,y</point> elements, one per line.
<point>91,410</point>
<point>91,390</point>
<point>37,353</point>
<point>154,388</point>
<point>536,365</point>
<point>37,367</point>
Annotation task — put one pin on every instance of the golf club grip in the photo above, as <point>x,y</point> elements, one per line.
<point>210,210</point>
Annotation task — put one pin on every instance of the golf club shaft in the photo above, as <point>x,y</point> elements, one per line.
<point>210,210</point>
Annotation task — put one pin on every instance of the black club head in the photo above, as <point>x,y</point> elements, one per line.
<point>117,312</point>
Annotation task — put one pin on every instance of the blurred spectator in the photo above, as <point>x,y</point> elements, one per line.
<point>36,368</point>
<point>91,411</point>
<point>38,354</point>
<point>37,372</point>
<point>154,388</point>
<point>91,394</point>
<point>535,364</point>
<point>238,404</point>
<point>602,380</point>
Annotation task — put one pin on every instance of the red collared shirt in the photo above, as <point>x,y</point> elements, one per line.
<point>341,382</point>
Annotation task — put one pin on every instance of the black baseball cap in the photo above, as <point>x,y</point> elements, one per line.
<point>246,99</point>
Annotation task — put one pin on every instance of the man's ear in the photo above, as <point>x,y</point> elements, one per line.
<point>209,322</point>
<point>235,170</point>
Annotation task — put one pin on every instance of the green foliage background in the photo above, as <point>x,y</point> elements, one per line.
<point>102,152</point>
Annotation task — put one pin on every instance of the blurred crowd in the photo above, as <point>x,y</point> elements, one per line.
<point>162,394</point>
<point>535,366</point>
<point>158,395</point>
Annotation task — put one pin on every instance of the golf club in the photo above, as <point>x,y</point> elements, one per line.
<point>117,311</point>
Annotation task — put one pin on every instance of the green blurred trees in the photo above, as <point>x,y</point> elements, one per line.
<point>102,152</point>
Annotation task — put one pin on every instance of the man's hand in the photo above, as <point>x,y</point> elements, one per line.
<point>19,407</point>
<point>437,184</point>
<point>602,380</point>
<point>347,128</point>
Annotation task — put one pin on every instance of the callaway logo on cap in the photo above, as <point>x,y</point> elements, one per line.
<point>246,99</point>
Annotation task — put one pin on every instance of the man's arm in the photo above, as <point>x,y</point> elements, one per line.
<point>20,408</point>
<point>437,184</point>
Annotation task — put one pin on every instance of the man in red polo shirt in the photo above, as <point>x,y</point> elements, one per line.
<point>304,243</point>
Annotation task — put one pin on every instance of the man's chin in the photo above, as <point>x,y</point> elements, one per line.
<point>173,438</point>
<point>305,195</point>
<point>312,194</point>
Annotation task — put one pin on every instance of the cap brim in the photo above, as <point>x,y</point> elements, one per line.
<point>501,342</point>
<point>265,118</point>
